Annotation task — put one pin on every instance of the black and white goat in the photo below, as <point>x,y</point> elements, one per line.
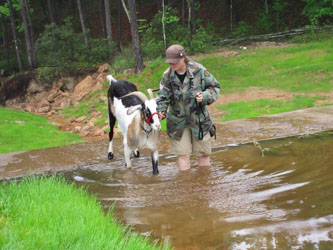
<point>137,119</point>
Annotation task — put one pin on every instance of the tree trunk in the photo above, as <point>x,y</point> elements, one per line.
<point>27,35</point>
<point>120,27</point>
<point>139,66</point>
<point>126,10</point>
<point>18,52</point>
<point>163,25</point>
<point>266,6</point>
<point>189,5</point>
<point>31,32</point>
<point>108,21</point>
<point>193,18</point>
<point>183,13</point>
<point>52,11</point>
<point>5,38</point>
<point>230,16</point>
<point>83,22</point>
<point>102,9</point>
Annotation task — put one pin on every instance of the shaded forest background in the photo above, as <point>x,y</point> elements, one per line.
<point>61,37</point>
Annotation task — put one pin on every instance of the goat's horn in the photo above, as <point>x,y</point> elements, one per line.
<point>150,92</point>
<point>138,94</point>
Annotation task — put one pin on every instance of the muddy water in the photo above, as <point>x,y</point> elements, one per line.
<point>274,195</point>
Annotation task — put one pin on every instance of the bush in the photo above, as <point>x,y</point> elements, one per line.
<point>243,29</point>
<point>59,46</point>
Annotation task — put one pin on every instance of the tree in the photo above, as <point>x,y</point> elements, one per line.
<point>52,11</point>
<point>28,34</point>
<point>139,66</point>
<point>102,10</point>
<point>5,37</point>
<point>108,21</point>
<point>189,5</point>
<point>119,18</point>
<point>318,11</point>
<point>17,49</point>
<point>83,20</point>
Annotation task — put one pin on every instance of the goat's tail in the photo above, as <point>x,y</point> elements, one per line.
<point>111,79</point>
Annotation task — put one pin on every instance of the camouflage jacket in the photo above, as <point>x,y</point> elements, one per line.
<point>180,99</point>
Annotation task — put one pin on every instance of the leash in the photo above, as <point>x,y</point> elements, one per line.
<point>199,108</point>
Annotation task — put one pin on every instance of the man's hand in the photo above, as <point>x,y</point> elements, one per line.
<point>161,115</point>
<point>199,97</point>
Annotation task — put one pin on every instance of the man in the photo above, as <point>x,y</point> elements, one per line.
<point>186,89</point>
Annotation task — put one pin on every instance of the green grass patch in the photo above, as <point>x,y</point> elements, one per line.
<point>240,110</point>
<point>48,213</point>
<point>296,68</point>
<point>20,131</point>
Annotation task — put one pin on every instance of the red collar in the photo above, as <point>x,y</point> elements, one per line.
<point>150,117</point>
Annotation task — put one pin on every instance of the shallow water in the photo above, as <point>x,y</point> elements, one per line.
<point>274,195</point>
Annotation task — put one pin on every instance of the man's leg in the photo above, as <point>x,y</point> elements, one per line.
<point>203,161</point>
<point>183,162</point>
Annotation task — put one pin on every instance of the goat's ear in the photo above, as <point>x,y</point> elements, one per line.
<point>132,109</point>
<point>143,106</point>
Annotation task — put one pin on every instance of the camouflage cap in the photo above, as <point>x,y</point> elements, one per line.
<point>174,53</point>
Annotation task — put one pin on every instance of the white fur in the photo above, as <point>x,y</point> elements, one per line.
<point>144,140</point>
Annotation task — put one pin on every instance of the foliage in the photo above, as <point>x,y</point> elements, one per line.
<point>264,23</point>
<point>279,7</point>
<point>243,29</point>
<point>122,61</point>
<point>20,131</point>
<point>319,11</point>
<point>49,213</point>
<point>152,35</point>
<point>61,47</point>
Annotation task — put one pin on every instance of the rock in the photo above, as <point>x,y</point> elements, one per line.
<point>86,86</point>
<point>104,99</point>
<point>85,128</point>
<point>44,109</point>
<point>103,68</point>
<point>81,119</point>
<point>77,129</point>
<point>34,88</point>
<point>28,109</point>
<point>64,103</point>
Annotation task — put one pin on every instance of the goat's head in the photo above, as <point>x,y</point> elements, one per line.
<point>148,108</point>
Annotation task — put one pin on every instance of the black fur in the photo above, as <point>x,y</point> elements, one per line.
<point>121,88</point>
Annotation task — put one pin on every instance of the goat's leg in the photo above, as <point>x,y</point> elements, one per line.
<point>154,159</point>
<point>136,153</point>
<point>112,121</point>
<point>127,154</point>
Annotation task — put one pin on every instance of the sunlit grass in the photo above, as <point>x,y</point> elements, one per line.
<point>20,131</point>
<point>48,213</point>
<point>240,110</point>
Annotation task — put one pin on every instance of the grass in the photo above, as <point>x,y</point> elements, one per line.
<point>295,68</point>
<point>241,110</point>
<point>20,131</point>
<point>48,213</point>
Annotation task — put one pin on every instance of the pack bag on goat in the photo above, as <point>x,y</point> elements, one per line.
<point>137,119</point>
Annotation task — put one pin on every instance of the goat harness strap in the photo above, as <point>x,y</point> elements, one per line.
<point>147,132</point>
<point>150,117</point>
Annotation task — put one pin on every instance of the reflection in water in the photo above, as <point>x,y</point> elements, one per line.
<point>243,201</point>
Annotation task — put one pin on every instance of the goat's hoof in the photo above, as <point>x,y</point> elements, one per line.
<point>136,154</point>
<point>155,172</point>
<point>110,155</point>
